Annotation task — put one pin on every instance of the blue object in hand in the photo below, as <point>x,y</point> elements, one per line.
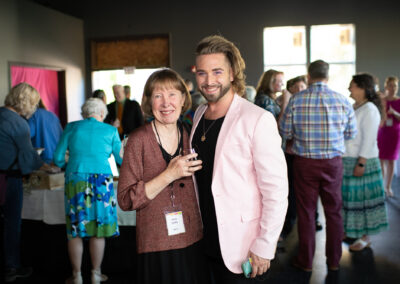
<point>246,267</point>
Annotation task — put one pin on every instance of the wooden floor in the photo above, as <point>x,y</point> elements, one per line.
<point>378,264</point>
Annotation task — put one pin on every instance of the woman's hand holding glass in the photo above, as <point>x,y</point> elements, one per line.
<point>183,166</point>
<point>188,151</point>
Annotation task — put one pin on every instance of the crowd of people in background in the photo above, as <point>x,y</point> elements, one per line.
<point>218,175</point>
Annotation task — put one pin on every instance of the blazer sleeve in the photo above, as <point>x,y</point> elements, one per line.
<point>32,127</point>
<point>61,149</point>
<point>131,186</point>
<point>28,158</point>
<point>271,175</point>
<point>116,146</point>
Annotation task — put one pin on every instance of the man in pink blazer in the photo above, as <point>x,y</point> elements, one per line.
<point>242,187</point>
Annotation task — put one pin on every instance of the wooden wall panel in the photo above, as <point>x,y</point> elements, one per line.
<point>145,52</point>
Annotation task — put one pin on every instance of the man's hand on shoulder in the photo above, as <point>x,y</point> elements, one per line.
<point>259,265</point>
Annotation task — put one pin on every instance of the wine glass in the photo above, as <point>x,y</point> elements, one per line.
<point>188,151</point>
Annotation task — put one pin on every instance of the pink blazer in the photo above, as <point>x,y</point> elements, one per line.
<point>249,182</point>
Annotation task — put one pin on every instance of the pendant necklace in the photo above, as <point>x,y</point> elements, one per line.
<point>203,137</point>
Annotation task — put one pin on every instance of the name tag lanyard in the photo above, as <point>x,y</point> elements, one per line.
<point>174,215</point>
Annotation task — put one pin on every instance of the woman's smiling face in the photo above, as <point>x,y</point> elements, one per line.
<point>166,104</point>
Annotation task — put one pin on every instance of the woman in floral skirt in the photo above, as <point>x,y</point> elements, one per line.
<point>90,204</point>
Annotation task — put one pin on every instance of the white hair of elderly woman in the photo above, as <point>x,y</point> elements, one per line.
<point>94,106</point>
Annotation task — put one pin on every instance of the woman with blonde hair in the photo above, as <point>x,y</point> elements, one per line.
<point>389,133</point>
<point>269,85</point>
<point>17,158</point>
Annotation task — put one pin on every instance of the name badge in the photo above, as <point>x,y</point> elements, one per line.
<point>389,122</point>
<point>175,223</point>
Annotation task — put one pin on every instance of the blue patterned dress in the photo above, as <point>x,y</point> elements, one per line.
<point>90,203</point>
<point>90,206</point>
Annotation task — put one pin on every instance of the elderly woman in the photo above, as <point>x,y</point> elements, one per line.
<point>90,205</point>
<point>364,211</point>
<point>157,181</point>
<point>17,158</point>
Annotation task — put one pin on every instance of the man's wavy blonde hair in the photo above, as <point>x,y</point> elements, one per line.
<point>218,44</point>
<point>23,98</point>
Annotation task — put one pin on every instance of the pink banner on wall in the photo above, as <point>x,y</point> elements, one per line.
<point>44,80</point>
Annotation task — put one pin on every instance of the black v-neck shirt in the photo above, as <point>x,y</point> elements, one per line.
<point>167,157</point>
<point>206,151</point>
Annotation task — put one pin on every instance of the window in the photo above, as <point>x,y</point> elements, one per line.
<point>286,49</point>
<point>135,78</point>
<point>336,45</point>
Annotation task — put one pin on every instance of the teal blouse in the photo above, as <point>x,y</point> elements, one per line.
<point>90,144</point>
<point>269,104</point>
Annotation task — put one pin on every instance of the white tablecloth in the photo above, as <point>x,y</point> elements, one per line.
<point>48,206</point>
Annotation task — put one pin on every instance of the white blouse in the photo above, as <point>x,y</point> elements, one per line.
<point>365,144</point>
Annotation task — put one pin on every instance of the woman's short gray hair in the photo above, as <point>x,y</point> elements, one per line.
<point>94,106</point>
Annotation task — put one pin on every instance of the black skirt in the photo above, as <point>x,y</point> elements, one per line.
<point>178,266</point>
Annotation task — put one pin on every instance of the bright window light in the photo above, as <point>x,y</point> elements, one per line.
<point>336,45</point>
<point>285,49</point>
<point>106,79</point>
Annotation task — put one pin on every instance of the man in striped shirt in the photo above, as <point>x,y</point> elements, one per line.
<point>318,120</point>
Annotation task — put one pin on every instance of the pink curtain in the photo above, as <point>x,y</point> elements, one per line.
<point>44,80</point>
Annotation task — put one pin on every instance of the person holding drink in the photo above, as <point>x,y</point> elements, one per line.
<point>156,181</point>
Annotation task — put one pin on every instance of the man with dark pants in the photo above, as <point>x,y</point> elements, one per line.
<point>124,114</point>
<point>242,186</point>
<point>318,120</point>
